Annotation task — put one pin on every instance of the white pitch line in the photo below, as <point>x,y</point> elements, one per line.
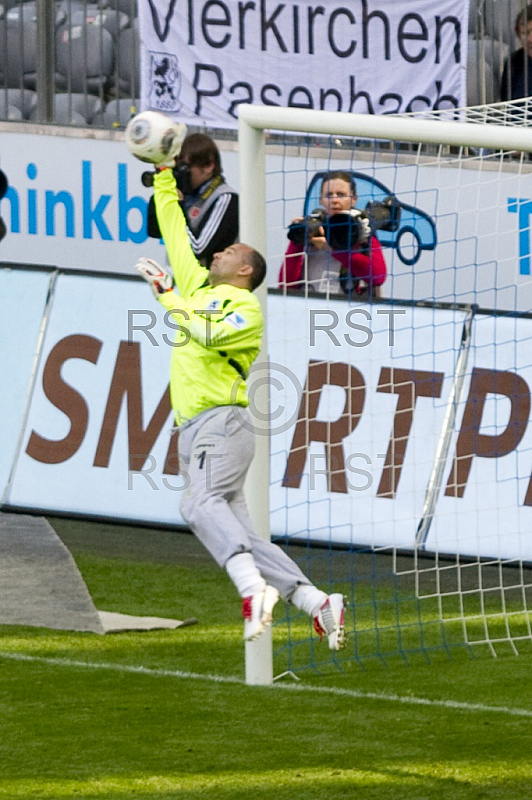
<point>291,687</point>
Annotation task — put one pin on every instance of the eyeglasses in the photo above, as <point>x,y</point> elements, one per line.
<point>341,195</point>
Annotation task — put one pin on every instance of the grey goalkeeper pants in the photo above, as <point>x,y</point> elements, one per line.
<point>215,451</point>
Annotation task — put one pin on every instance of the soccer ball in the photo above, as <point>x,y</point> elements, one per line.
<point>153,137</point>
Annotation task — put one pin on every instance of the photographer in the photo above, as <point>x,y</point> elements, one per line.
<point>210,205</point>
<point>333,251</point>
<point>516,80</point>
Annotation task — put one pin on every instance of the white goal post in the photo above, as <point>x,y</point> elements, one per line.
<point>485,129</point>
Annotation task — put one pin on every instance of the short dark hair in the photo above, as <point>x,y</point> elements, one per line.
<point>523,18</point>
<point>339,175</point>
<point>199,150</point>
<point>258,264</point>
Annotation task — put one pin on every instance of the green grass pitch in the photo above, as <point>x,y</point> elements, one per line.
<point>166,714</point>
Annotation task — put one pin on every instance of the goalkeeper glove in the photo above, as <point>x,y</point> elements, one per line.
<point>159,279</point>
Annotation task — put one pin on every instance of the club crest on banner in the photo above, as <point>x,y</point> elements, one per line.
<point>165,82</point>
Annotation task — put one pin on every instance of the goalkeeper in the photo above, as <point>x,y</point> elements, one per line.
<point>219,337</point>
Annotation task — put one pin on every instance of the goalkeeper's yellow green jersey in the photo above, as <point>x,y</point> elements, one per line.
<point>219,328</point>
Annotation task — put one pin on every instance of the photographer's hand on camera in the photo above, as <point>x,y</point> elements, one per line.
<point>304,230</point>
<point>364,227</point>
<point>317,237</point>
<point>319,242</point>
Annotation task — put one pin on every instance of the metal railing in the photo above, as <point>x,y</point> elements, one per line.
<point>69,62</point>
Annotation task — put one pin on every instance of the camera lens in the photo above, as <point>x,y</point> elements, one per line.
<point>342,231</point>
<point>147,179</point>
<point>183,177</point>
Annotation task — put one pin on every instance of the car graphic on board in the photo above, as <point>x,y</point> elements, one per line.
<point>410,230</point>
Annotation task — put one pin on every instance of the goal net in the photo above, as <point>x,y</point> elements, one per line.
<point>400,448</point>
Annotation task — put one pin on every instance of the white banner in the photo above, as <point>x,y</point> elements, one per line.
<point>202,58</point>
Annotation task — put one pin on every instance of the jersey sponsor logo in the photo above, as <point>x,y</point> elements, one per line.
<point>213,305</point>
<point>236,320</point>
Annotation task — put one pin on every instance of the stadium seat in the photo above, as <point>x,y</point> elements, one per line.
<point>23,101</point>
<point>18,35</point>
<point>495,54</point>
<point>479,75</point>
<point>6,5</point>
<point>10,113</point>
<point>119,111</point>
<point>499,16</point>
<point>129,7</point>
<point>126,81</point>
<point>84,58</point>
<point>75,109</point>
<point>111,19</point>
<point>73,7</point>
<point>13,3</point>
<point>87,106</point>
<point>475,20</point>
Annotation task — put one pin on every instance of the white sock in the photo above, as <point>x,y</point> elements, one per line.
<point>245,575</point>
<point>308,598</point>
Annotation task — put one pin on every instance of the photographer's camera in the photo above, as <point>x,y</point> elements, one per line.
<point>347,229</point>
<point>182,178</point>
<point>307,228</point>
<point>385,215</point>
<point>342,231</point>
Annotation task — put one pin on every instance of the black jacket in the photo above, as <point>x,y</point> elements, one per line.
<point>516,80</point>
<point>212,218</point>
